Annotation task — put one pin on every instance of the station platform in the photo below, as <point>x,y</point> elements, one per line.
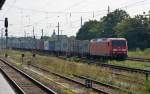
<point>5,88</point>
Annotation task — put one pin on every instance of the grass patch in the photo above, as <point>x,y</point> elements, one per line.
<point>140,53</point>
<point>131,64</point>
<point>93,71</point>
<point>147,85</point>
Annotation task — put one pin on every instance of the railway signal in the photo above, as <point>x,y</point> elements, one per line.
<point>6,23</point>
<point>6,34</point>
<point>6,27</point>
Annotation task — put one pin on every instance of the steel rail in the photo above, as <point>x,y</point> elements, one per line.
<point>138,59</point>
<point>37,83</point>
<point>15,87</point>
<point>69,79</point>
<point>104,84</point>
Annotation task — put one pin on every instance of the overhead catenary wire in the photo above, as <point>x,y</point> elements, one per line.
<point>104,10</point>
<point>50,12</point>
<point>65,12</point>
<point>133,4</point>
<point>83,12</point>
<point>126,6</point>
<point>59,12</point>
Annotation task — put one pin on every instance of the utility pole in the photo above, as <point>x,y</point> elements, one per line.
<point>34,46</point>
<point>93,15</point>
<point>33,33</point>
<point>58,37</point>
<point>61,41</point>
<point>108,9</point>
<point>58,29</point>
<point>42,34</point>
<point>24,33</point>
<point>34,43</point>
<point>81,21</point>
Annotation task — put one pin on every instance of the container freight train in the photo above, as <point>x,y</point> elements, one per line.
<point>96,48</point>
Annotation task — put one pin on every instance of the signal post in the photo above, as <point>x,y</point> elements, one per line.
<point>6,35</point>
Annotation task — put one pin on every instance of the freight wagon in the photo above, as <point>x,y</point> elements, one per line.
<point>49,46</point>
<point>64,46</point>
<point>40,44</point>
<point>12,43</point>
<point>84,48</point>
<point>72,47</point>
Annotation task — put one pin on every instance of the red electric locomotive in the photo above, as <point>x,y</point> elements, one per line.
<point>109,47</point>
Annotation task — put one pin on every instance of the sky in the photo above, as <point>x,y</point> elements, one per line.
<point>24,15</point>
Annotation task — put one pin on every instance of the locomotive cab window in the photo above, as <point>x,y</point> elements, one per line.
<point>118,43</point>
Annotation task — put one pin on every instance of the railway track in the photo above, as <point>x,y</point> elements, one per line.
<point>97,86</point>
<point>115,67</point>
<point>138,59</point>
<point>103,84</point>
<point>137,70</point>
<point>21,82</point>
<point>124,68</point>
<point>101,91</point>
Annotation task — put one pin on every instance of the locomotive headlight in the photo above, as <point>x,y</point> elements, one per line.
<point>124,50</point>
<point>115,50</point>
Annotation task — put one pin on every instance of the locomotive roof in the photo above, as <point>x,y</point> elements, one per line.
<point>106,39</point>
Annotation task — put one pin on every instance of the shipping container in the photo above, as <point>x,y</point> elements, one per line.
<point>26,43</point>
<point>84,47</point>
<point>46,45</point>
<point>2,43</point>
<point>12,42</point>
<point>40,44</point>
<point>57,45</point>
<point>71,45</point>
<point>62,45</point>
<point>76,46</point>
<point>49,45</point>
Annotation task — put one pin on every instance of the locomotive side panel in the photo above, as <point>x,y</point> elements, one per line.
<point>100,49</point>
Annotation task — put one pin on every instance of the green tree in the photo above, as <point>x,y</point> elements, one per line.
<point>111,20</point>
<point>89,30</point>
<point>134,30</point>
<point>102,28</point>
